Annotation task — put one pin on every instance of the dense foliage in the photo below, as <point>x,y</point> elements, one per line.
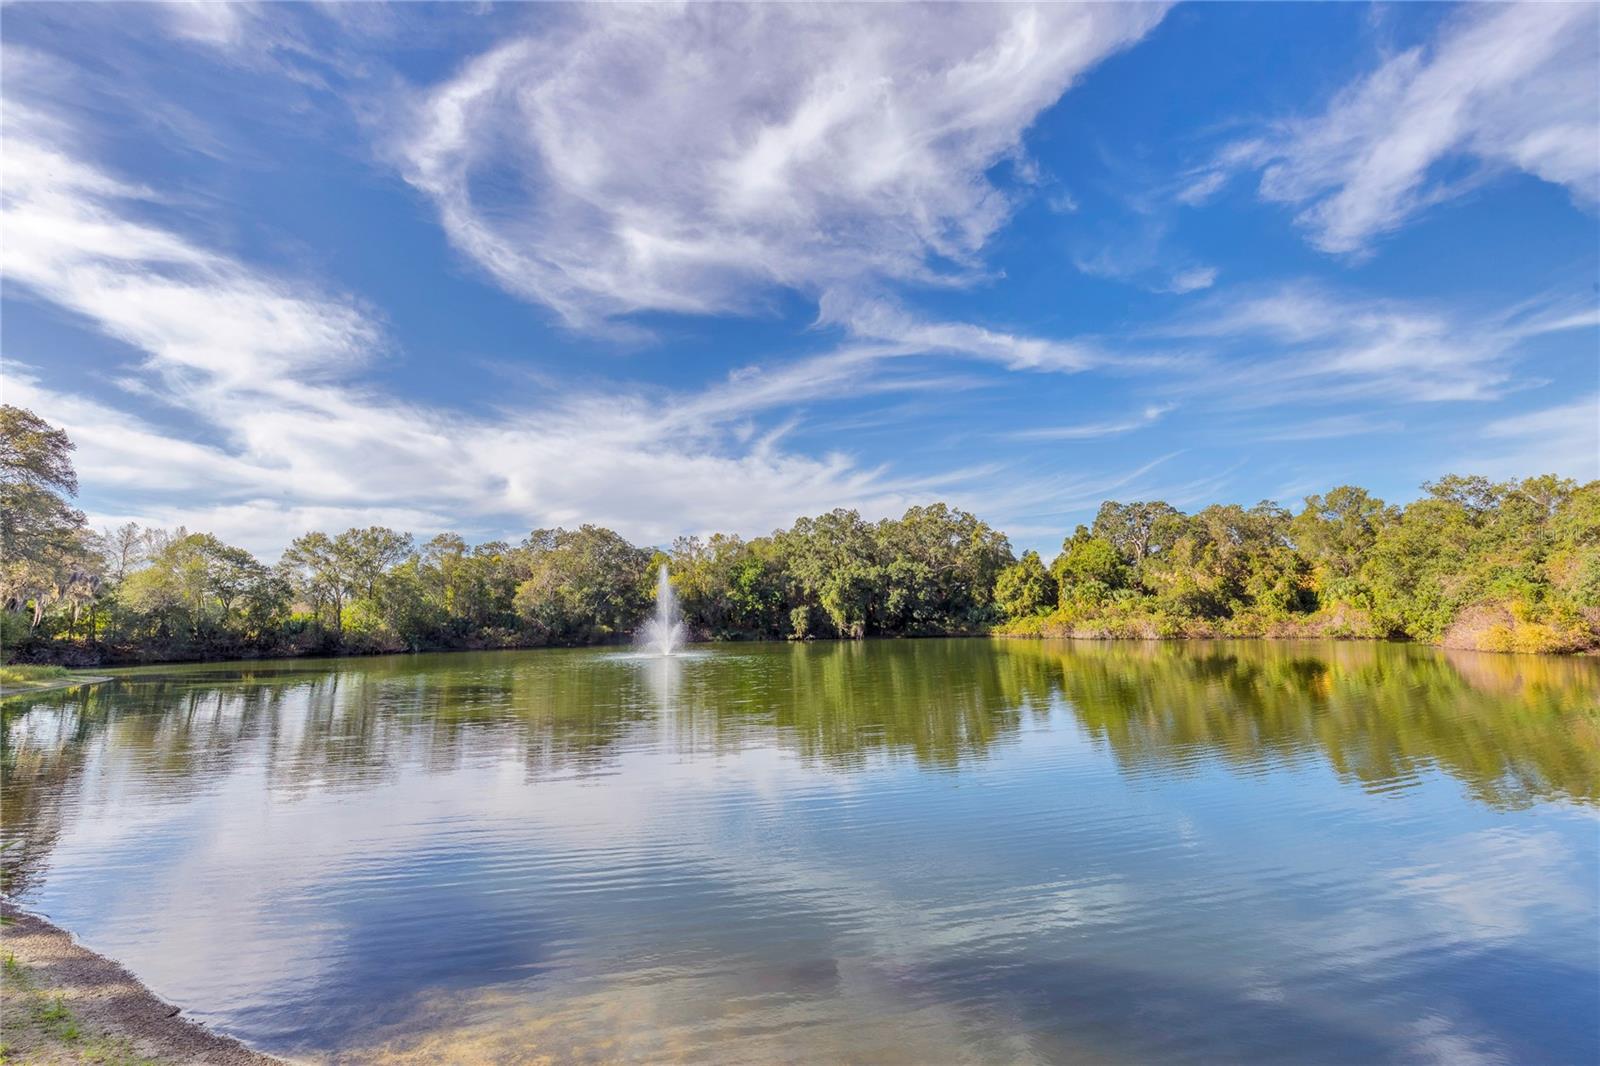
<point>1503,566</point>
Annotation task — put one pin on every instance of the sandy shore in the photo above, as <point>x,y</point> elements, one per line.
<point>65,1004</point>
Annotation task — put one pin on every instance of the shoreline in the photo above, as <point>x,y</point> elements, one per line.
<point>999,633</point>
<point>90,1008</point>
<point>29,688</point>
<point>1291,638</point>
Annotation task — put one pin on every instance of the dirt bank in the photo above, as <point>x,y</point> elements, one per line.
<point>65,1004</point>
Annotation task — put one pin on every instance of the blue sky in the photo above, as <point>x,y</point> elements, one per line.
<point>676,270</point>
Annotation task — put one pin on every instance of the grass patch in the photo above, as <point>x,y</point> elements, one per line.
<point>19,672</point>
<point>19,676</point>
<point>41,1026</point>
<point>19,680</point>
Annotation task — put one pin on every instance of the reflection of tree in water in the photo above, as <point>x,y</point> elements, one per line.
<point>41,759</point>
<point>307,726</point>
<point>1513,729</point>
<point>940,701</point>
<point>157,731</point>
<point>943,701</point>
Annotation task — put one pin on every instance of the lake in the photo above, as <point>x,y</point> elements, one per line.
<point>911,851</point>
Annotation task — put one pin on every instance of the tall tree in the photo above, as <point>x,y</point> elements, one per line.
<point>836,562</point>
<point>583,585</point>
<point>1137,530</point>
<point>316,570</point>
<point>939,570</point>
<point>365,555</point>
<point>1025,588</point>
<point>1336,531</point>
<point>42,536</point>
<point>1089,568</point>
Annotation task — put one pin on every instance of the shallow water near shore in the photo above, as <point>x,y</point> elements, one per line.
<point>919,851</point>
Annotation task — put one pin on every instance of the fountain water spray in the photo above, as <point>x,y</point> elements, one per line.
<point>664,632</point>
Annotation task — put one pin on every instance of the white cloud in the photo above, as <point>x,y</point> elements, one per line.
<point>282,440</point>
<point>1299,341</point>
<point>1503,85</point>
<point>1139,255</point>
<point>71,238</point>
<point>882,320</point>
<point>1193,280</point>
<point>210,22</point>
<point>1098,430</point>
<point>1062,202</point>
<point>1564,438</point>
<point>1202,187</point>
<point>1551,422</point>
<point>694,158</point>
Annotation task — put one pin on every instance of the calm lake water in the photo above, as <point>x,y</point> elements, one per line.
<point>918,851</point>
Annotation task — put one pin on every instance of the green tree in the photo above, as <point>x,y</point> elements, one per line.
<point>1503,565</point>
<point>365,555</point>
<point>834,560</point>
<point>1228,559</point>
<point>1025,588</point>
<point>939,567</point>
<point>1335,533</point>
<point>1089,568</point>
<point>44,551</point>
<point>1573,563</point>
<point>1137,530</point>
<point>203,590</point>
<point>583,585</point>
<point>729,587</point>
<point>317,572</point>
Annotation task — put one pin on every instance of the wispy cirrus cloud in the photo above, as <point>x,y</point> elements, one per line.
<point>220,25</point>
<point>1302,341</point>
<point>264,372</point>
<point>1192,280</point>
<point>74,237</point>
<point>1143,253</point>
<point>639,159</point>
<point>265,367</point>
<point>1564,437</point>
<point>288,439</point>
<point>883,320</point>
<point>1097,430</point>
<point>1502,86</point>
<point>608,162</point>
<point>1145,268</point>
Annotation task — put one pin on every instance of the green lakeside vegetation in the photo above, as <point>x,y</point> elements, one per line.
<point>1502,566</point>
<point>24,676</point>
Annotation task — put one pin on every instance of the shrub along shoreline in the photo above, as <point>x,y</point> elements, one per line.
<point>1474,563</point>
<point>1489,628</point>
<point>1042,629</point>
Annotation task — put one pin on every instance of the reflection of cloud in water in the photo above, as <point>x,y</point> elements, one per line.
<point>1493,884</point>
<point>919,849</point>
<point>1439,1040</point>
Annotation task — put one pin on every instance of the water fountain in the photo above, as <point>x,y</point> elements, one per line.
<point>663,633</point>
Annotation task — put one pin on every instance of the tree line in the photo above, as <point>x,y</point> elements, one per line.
<point>1511,565</point>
